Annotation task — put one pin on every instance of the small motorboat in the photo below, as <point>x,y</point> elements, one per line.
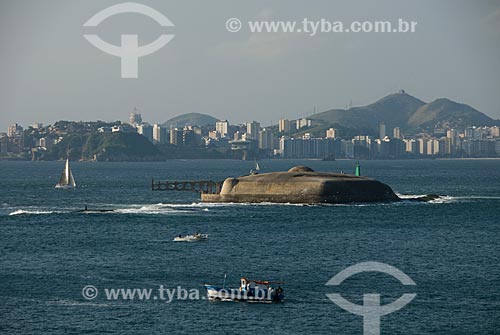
<point>262,291</point>
<point>197,237</point>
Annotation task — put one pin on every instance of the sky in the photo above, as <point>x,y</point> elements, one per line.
<point>50,72</point>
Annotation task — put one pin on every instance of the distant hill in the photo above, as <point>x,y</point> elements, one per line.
<point>192,119</point>
<point>394,110</point>
<point>399,110</point>
<point>444,112</point>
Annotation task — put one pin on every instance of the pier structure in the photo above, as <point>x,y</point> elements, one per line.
<point>198,186</point>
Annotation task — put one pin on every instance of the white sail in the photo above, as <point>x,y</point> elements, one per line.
<point>67,180</point>
<point>257,167</point>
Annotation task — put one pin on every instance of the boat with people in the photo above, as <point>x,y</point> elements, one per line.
<point>196,237</point>
<point>66,181</point>
<point>262,291</point>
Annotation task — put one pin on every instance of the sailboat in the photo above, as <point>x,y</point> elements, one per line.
<point>256,170</point>
<point>66,181</point>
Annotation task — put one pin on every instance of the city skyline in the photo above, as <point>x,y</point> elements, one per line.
<point>240,76</point>
<point>130,119</point>
<point>291,139</point>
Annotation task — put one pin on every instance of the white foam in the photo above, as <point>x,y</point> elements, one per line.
<point>27,212</point>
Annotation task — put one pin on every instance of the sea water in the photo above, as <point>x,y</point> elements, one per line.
<point>49,252</point>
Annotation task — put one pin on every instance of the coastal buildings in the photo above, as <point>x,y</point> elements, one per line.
<point>266,139</point>
<point>306,147</point>
<point>175,136</point>
<point>135,119</point>
<point>303,123</point>
<point>331,133</point>
<point>14,130</point>
<point>222,127</point>
<point>147,131</point>
<point>382,132</point>
<point>159,134</point>
<point>252,130</point>
<point>284,126</point>
<point>275,141</point>
<point>396,133</point>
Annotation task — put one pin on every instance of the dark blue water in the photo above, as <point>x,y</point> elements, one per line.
<point>48,252</point>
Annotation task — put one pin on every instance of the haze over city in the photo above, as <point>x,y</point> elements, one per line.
<point>50,72</point>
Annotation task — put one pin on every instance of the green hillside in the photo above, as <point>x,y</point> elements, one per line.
<point>116,146</point>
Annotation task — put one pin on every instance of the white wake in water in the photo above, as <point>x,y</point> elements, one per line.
<point>446,199</point>
<point>198,207</point>
<point>150,209</point>
<point>31,212</point>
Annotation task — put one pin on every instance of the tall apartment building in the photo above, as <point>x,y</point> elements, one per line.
<point>284,126</point>
<point>396,132</point>
<point>176,136</point>
<point>266,139</point>
<point>253,129</point>
<point>332,133</point>
<point>159,134</point>
<point>301,123</point>
<point>382,132</point>
<point>222,127</point>
<point>14,130</point>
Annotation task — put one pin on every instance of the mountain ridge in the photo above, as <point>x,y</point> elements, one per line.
<point>404,111</point>
<point>395,110</point>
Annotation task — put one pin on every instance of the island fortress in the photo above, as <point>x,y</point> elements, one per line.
<point>300,184</point>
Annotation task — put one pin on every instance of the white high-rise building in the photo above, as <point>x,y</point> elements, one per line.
<point>222,127</point>
<point>396,132</point>
<point>411,146</point>
<point>495,131</point>
<point>284,126</point>
<point>422,146</point>
<point>14,130</point>
<point>158,134</point>
<point>331,133</point>
<point>433,146</point>
<point>301,123</point>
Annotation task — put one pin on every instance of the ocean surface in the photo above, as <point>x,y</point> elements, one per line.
<point>49,252</point>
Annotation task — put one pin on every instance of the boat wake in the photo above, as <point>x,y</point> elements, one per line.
<point>206,207</point>
<point>446,199</point>
<point>156,209</point>
<point>32,212</point>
